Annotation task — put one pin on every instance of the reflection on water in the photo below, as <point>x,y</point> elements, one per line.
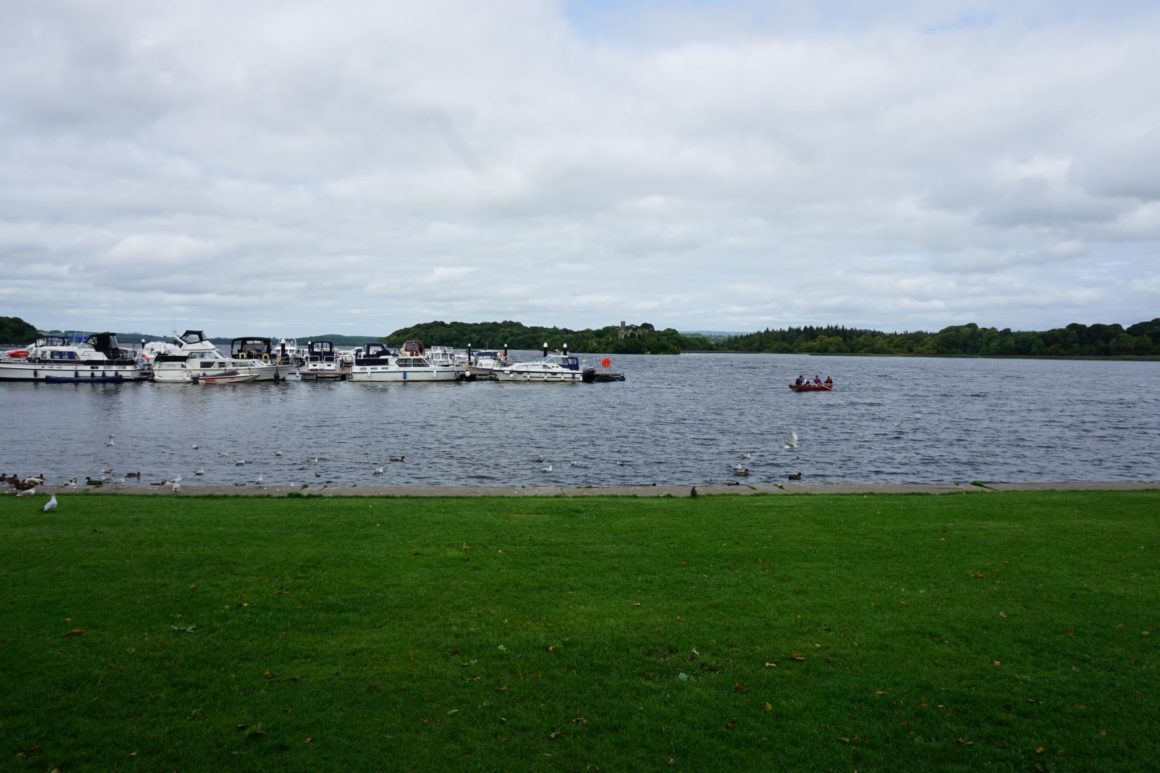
<point>682,419</point>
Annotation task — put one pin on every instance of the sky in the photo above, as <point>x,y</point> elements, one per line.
<point>290,168</point>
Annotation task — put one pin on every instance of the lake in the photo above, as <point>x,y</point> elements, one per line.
<point>683,419</point>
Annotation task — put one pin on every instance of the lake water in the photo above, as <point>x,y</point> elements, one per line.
<point>675,420</point>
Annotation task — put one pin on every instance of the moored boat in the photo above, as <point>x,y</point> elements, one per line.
<point>196,356</point>
<point>486,364</point>
<point>558,368</point>
<point>259,348</point>
<point>95,358</point>
<point>378,363</point>
<point>322,363</point>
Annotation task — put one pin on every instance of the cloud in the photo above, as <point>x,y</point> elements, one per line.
<point>357,168</point>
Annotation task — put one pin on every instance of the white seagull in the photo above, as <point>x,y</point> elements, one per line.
<point>792,443</point>
<point>50,504</point>
<point>176,487</point>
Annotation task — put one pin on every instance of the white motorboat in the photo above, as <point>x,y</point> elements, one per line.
<point>550,369</point>
<point>258,348</point>
<point>322,363</point>
<point>486,363</point>
<point>377,363</point>
<point>82,359</point>
<point>196,357</point>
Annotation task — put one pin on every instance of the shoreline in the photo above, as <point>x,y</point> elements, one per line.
<point>653,490</point>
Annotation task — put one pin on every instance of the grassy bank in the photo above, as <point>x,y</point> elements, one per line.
<point>1014,630</point>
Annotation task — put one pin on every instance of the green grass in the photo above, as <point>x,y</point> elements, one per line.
<point>1013,631</point>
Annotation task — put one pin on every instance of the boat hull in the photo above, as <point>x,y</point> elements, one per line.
<point>224,378</point>
<point>811,388</point>
<point>71,373</point>
<point>387,375</point>
<point>515,376</point>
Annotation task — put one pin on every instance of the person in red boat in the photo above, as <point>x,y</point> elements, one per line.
<point>817,379</point>
<point>829,382</point>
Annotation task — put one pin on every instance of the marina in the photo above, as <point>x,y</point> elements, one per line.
<point>676,421</point>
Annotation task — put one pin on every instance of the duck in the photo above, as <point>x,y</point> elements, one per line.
<point>795,476</point>
<point>398,459</point>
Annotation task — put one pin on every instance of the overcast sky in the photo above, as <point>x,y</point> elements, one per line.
<point>293,168</point>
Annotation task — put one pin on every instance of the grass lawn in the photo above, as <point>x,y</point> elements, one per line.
<point>831,632</point>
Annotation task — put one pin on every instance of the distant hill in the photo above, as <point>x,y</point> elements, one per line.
<point>614,339</point>
<point>14,330</point>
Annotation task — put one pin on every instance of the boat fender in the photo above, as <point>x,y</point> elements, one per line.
<point>265,358</point>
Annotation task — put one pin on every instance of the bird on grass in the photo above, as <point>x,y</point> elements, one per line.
<point>50,505</point>
<point>176,487</point>
<point>693,492</point>
<point>27,492</point>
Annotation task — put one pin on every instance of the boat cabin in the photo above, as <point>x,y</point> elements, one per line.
<point>252,348</point>
<point>321,351</point>
<point>374,353</point>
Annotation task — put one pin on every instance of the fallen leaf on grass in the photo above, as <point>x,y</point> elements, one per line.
<point>767,706</point>
<point>796,656</point>
<point>964,741</point>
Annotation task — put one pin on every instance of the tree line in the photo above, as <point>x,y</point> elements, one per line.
<point>635,339</point>
<point>1075,340</point>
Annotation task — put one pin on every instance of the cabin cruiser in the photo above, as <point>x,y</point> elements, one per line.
<point>323,362</point>
<point>196,356</point>
<point>83,359</point>
<point>486,363</point>
<point>551,368</point>
<point>378,363</point>
<point>257,348</point>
